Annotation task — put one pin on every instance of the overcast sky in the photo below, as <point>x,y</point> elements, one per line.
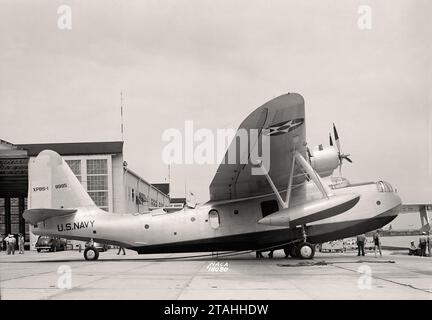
<point>214,62</point>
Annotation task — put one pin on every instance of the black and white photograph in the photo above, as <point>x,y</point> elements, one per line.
<point>198,152</point>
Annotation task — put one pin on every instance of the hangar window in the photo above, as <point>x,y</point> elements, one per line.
<point>75,166</point>
<point>100,198</point>
<point>269,207</point>
<point>97,181</point>
<point>97,166</point>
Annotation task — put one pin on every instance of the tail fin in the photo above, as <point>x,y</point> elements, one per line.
<point>53,184</point>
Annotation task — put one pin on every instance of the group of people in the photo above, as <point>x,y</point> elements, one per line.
<point>361,241</point>
<point>425,241</point>
<point>10,242</point>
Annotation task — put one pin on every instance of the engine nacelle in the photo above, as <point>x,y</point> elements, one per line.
<point>324,160</point>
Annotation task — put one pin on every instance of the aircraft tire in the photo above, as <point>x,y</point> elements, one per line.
<point>91,254</point>
<point>306,250</point>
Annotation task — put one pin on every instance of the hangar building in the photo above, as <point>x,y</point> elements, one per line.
<point>99,166</point>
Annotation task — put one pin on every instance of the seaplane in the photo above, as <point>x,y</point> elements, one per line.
<point>292,204</point>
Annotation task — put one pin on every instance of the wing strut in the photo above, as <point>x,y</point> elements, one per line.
<point>300,160</point>
<point>424,219</point>
<point>325,190</point>
<point>289,188</point>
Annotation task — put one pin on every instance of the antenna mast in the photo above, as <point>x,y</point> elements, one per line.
<point>121,114</point>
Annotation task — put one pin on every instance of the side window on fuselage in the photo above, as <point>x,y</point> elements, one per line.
<point>268,207</point>
<point>214,219</point>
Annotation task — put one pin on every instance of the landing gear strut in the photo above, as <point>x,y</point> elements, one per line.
<point>302,250</point>
<point>305,250</point>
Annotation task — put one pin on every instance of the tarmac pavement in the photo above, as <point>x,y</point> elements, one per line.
<point>66,275</point>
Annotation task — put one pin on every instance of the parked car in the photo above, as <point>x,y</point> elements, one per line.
<point>51,244</point>
<point>330,246</point>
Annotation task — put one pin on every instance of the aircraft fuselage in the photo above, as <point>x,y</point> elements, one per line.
<point>224,225</point>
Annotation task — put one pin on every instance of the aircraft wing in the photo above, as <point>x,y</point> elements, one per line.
<point>284,120</point>
<point>423,210</point>
<point>414,208</point>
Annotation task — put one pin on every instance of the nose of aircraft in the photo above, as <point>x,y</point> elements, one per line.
<point>396,200</point>
<point>387,199</point>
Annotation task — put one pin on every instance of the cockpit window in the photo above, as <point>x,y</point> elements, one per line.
<point>384,186</point>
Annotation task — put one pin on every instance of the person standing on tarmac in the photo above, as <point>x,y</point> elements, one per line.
<point>377,243</point>
<point>121,249</point>
<point>20,243</point>
<point>11,241</point>
<point>361,238</point>
<point>423,244</point>
<point>429,243</point>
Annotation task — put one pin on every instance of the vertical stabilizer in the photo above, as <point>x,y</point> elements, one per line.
<point>53,184</point>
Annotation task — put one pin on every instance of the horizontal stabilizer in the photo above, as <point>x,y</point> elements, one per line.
<point>34,216</point>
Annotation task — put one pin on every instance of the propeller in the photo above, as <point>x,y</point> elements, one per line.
<point>308,153</point>
<point>341,155</point>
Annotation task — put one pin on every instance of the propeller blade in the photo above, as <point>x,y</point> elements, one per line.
<point>336,138</point>
<point>335,132</point>
<point>348,159</point>
<point>341,155</point>
<point>308,152</point>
